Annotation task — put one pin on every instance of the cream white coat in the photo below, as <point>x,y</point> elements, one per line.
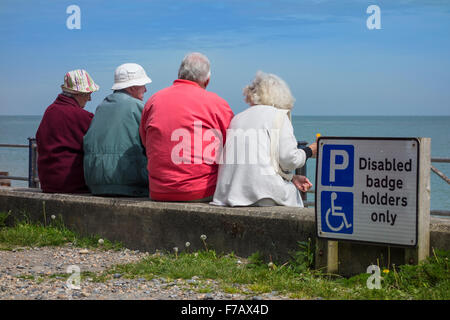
<point>257,146</point>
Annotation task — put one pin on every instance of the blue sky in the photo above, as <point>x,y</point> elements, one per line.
<point>333,63</point>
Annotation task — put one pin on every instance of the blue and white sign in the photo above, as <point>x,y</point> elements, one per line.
<point>366,189</point>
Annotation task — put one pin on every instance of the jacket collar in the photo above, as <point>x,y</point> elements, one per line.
<point>183,81</point>
<point>67,100</point>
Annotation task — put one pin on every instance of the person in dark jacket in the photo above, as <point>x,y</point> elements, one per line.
<point>115,163</point>
<point>60,134</point>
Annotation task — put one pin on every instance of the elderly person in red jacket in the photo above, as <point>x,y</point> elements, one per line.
<point>60,136</point>
<point>183,128</point>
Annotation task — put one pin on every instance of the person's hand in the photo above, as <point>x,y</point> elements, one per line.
<point>313,147</point>
<point>302,183</point>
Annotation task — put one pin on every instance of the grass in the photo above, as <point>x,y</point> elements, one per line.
<point>295,278</point>
<point>429,280</point>
<point>27,234</point>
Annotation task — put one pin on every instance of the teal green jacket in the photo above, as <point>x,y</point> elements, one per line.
<point>114,157</point>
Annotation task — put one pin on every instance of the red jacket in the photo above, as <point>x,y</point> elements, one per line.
<point>167,132</point>
<point>60,146</point>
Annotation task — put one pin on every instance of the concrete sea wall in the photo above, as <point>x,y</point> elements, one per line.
<point>147,225</point>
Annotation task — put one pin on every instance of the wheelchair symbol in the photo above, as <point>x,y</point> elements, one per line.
<point>336,211</point>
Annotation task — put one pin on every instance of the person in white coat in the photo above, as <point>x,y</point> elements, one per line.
<point>261,151</point>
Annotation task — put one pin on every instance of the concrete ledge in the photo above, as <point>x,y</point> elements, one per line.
<point>147,225</point>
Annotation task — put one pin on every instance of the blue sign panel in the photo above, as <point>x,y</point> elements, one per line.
<point>337,212</point>
<point>338,165</point>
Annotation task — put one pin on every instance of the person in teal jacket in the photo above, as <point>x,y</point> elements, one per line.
<point>115,163</point>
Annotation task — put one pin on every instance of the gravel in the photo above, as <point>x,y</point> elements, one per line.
<point>41,274</point>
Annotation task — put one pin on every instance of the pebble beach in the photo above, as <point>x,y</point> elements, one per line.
<point>41,274</point>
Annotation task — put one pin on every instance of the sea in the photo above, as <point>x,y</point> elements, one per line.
<point>16,130</point>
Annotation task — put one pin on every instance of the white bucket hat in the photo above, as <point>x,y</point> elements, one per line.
<point>128,75</point>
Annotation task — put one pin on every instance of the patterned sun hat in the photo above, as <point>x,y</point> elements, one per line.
<point>79,81</point>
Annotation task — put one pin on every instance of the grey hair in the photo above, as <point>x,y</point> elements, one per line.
<point>195,67</point>
<point>269,89</point>
<point>67,94</point>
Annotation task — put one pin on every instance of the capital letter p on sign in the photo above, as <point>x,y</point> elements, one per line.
<point>334,165</point>
<point>338,165</point>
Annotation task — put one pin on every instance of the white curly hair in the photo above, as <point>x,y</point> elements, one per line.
<point>269,89</point>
